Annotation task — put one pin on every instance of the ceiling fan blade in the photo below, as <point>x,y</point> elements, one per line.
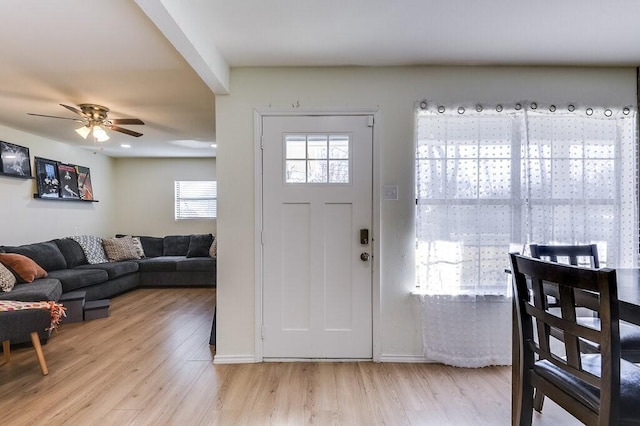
<point>126,121</point>
<point>125,131</point>
<point>72,109</point>
<point>54,116</point>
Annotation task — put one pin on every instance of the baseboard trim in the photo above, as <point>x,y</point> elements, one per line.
<point>249,359</point>
<point>233,359</point>
<point>404,358</point>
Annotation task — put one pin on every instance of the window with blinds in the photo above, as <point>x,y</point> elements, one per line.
<point>196,199</point>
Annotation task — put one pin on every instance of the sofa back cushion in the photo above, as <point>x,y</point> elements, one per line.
<point>72,252</point>
<point>46,254</point>
<point>152,246</point>
<point>175,245</point>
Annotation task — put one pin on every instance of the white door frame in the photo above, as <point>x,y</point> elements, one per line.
<point>375,231</point>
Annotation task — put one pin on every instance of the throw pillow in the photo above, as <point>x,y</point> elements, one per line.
<point>25,269</point>
<point>7,279</point>
<point>152,246</point>
<point>118,249</point>
<point>213,250</point>
<point>92,248</point>
<point>199,245</point>
<point>136,242</point>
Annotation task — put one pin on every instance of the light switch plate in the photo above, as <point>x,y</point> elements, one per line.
<point>390,192</point>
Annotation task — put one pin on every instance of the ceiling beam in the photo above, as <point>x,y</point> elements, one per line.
<point>184,25</point>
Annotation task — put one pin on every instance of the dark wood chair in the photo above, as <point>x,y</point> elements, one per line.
<point>578,255</point>
<point>596,388</point>
<point>587,255</point>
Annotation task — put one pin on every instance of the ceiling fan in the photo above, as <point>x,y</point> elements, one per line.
<point>95,120</point>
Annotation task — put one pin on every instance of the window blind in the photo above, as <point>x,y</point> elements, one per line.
<point>196,199</point>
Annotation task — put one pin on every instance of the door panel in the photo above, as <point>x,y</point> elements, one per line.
<point>317,195</point>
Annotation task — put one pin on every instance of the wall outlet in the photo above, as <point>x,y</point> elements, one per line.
<point>390,192</point>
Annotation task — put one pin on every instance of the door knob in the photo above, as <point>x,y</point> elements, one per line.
<point>364,256</point>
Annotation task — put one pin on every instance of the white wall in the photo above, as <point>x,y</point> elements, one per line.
<point>28,220</point>
<point>394,91</point>
<point>145,195</point>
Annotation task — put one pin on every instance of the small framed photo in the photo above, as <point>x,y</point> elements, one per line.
<point>84,183</point>
<point>15,160</point>
<point>68,181</point>
<point>47,178</point>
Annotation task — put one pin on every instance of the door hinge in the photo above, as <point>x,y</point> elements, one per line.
<point>262,142</point>
<point>370,121</point>
<point>262,332</point>
<point>262,237</point>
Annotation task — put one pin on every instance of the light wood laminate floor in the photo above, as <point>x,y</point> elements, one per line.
<point>150,363</point>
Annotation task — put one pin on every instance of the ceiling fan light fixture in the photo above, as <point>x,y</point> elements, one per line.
<point>100,134</point>
<point>83,131</point>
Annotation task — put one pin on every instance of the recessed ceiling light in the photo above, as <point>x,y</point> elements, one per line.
<point>214,145</point>
<point>125,145</point>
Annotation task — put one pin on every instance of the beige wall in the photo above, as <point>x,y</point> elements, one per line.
<point>135,195</point>
<point>394,92</point>
<point>27,220</point>
<point>145,195</point>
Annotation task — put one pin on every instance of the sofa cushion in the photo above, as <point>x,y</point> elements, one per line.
<point>46,254</point>
<point>159,264</point>
<point>118,249</point>
<point>114,269</point>
<point>175,245</point>
<point>92,248</point>
<point>152,246</point>
<point>74,279</point>
<point>23,267</point>
<point>201,264</point>
<point>72,252</point>
<point>7,279</point>
<point>44,289</point>
<point>199,245</point>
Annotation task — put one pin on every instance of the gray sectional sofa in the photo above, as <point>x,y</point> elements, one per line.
<point>169,261</point>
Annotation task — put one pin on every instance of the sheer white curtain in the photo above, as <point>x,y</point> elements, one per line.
<point>494,179</point>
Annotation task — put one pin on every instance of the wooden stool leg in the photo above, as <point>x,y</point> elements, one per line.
<point>36,344</point>
<point>6,348</point>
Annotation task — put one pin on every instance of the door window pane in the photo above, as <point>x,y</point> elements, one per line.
<point>317,158</point>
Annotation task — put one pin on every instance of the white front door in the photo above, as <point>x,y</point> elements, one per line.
<point>317,208</point>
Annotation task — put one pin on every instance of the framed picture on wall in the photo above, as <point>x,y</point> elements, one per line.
<point>15,159</point>
<point>68,181</point>
<point>84,183</point>
<point>47,178</point>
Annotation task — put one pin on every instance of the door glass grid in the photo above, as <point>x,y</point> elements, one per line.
<point>317,158</point>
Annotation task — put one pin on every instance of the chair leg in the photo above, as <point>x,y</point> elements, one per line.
<point>36,345</point>
<point>526,403</point>
<point>6,348</point>
<point>538,401</point>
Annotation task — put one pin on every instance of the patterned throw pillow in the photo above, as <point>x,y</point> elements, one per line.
<point>213,250</point>
<point>92,247</point>
<point>22,267</point>
<point>118,249</point>
<point>7,279</point>
<point>138,245</point>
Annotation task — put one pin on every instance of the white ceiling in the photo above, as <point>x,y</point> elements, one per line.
<point>162,60</point>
